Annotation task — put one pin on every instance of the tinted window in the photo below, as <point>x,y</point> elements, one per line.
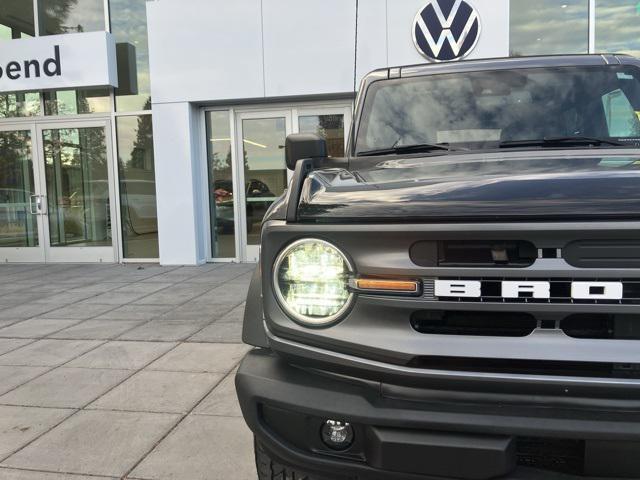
<point>484,108</point>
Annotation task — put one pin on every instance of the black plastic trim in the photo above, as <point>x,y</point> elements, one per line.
<point>253,332</point>
<point>603,254</point>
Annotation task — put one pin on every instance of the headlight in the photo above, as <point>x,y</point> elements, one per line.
<point>311,279</point>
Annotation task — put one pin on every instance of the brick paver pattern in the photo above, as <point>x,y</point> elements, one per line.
<point>122,372</point>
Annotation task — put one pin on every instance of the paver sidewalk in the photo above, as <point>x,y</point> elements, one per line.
<point>122,372</point>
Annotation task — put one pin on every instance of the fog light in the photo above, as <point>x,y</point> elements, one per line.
<point>337,435</point>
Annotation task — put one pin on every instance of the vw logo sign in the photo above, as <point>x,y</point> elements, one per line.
<point>445,30</point>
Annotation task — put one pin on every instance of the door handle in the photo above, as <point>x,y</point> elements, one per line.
<point>40,204</point>
<point>39,207</point>
<point>31,206</point>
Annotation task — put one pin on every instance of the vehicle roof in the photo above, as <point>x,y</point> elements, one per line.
<point>503,63</point>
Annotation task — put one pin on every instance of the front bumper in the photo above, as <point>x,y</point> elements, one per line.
<point>401,438</point>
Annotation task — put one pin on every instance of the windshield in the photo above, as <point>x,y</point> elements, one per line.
<point>489,109</point>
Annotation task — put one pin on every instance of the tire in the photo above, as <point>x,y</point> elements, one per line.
<point>268,469</point>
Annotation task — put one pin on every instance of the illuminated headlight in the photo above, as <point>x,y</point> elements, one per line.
<point>311,279</point>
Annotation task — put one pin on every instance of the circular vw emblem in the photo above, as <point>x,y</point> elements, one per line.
<point>446,30</point>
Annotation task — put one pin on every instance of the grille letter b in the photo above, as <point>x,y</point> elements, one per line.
<point>458,288</point>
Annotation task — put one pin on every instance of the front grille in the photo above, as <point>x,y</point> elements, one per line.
<point>503,332</point>
<point>560,291</point>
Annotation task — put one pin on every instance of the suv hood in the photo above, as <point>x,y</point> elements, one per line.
<point>453,187</point>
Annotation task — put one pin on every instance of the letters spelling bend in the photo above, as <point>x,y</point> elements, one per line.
<point>51,67</point>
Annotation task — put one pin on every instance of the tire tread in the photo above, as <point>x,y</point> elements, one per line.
<point>271,470</point>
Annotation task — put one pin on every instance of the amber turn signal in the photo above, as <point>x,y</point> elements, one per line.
<point>385,285</point>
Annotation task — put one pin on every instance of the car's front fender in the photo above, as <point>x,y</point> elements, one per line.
<point>253,327</point>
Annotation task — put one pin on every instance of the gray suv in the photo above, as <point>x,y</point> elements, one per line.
<point>459,297</point>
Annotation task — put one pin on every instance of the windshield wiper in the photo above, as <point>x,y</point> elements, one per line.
<point>559,141</point>
<point>400,149</point>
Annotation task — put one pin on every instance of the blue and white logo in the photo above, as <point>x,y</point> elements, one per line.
<point>446,30</point>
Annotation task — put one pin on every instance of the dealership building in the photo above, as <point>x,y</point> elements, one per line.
<point>134,131</point>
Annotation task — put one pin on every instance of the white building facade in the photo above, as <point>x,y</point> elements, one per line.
<point>172,150</point>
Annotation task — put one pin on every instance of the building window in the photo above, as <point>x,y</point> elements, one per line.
<point>70,16</point>
<point>549,27</point>
<point>16,19</point>
<point>74,102</point>
<point>137,187</point>
<point>618,26</point>
<point>222,204</point>
<point>330,127</point>
<point>129,27</point>
<point>19,104</point>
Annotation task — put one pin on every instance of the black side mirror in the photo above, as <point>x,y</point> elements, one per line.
<point>304,145</point>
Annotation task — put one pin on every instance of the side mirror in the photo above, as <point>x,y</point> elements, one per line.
<point>304,145</point>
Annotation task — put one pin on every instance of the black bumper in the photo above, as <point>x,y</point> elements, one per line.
<point>396,438</point>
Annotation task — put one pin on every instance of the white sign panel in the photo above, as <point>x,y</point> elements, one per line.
<point>58,61</point>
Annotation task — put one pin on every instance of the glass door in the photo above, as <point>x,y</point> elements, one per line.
<point>246,169</point>
<point>21,199</point>
<point>263,174</point>
<point>77,175</point>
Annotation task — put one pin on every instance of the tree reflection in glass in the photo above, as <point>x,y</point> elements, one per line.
<point>137,187</point>
<point>76,173</point>
<point>71,16</point>
<point>18,228</point>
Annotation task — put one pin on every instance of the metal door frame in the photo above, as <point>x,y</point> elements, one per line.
<point>105,254</point>
<point>245,252</point>
<point>28,254</point>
